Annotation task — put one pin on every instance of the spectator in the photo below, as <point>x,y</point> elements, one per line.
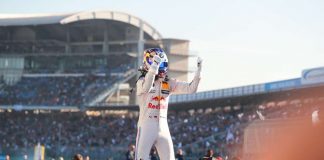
<point>153,154</point>
<point>7,157</point>
<point>25,157</point>
<point>209,155</point>
<point>78,157</point>
<point>179,155</point>
<point>130,154</point>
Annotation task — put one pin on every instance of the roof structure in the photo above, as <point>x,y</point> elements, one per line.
<point>42,19</point>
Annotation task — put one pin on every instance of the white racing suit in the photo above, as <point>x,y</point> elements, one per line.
<point>153,96</point>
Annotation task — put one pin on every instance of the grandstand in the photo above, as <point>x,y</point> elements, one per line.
<point>65,80</point>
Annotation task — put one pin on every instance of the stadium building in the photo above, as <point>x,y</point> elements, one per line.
<point>100,50</point>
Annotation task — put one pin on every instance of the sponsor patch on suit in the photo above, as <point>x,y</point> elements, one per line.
<point>165,88</point>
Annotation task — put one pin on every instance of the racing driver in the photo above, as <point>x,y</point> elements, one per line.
<point>153,90</point>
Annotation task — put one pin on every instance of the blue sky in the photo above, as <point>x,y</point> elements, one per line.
<point>241,41</point>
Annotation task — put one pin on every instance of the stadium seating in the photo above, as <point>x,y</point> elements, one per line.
<point>73,87</point>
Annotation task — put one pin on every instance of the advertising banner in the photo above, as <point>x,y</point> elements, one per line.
<point>313,76</point>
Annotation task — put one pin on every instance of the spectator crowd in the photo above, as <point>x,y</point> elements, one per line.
<point>51,91</point>
<point>105,133</point>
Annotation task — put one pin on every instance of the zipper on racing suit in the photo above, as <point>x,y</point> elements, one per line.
<point>160,95</point>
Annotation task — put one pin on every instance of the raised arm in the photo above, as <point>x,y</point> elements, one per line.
<point>180,87</point>
<point>145,84</point>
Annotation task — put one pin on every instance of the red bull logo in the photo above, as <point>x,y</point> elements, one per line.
<point>159,105</point>
<point>152,106</point>
<point>158,98</point>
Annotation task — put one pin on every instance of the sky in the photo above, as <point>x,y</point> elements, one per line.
<point>242,42</point>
